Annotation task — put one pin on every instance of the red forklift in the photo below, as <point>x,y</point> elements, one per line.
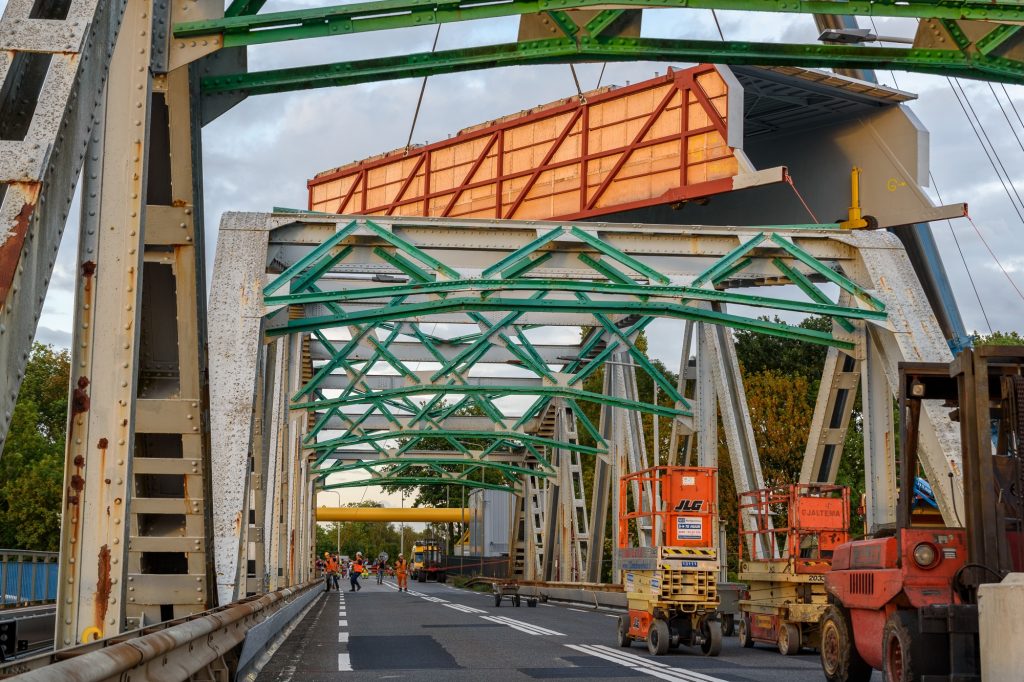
<point>905,602</point>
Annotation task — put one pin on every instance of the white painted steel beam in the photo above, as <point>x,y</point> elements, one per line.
<point>39,172</point>
<point>235,346</point>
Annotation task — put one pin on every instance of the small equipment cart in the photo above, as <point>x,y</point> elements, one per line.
<point>509,589</point>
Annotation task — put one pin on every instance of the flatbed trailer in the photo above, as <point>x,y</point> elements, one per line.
<point>789,550</point>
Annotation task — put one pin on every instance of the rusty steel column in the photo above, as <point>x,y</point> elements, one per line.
<point>170,558</point>
<point>98,469</point>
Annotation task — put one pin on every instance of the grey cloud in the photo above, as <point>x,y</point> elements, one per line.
<point>55,337</point>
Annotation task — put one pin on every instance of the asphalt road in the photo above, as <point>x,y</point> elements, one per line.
<point>437,632</point>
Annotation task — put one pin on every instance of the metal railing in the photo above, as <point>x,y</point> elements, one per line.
<point>27,578</point>
<point>216,645</point>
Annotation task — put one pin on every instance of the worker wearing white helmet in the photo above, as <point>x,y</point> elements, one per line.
<point>357,570</point>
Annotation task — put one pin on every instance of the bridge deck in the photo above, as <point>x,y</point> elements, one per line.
<point>437,632</point>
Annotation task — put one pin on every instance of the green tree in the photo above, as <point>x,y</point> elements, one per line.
<point>31,466</point>
<point>998,339</point>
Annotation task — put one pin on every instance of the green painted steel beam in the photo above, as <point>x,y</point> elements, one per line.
<point>369,465</point>
<point>239,8</point>
<point>828,273</point>
<point>484,287</point>
<point>491,392</point>
<point>524,438</point>
<point>561,51</point>
<point>519,305</point>
<point>384,15</point>
<point>419,481</point>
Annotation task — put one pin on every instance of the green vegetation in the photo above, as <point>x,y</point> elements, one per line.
<point>32,463</point>
<point>369,537</point>
<point>998,339</point>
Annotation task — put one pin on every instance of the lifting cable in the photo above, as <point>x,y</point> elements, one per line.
<point>714,15</point>
<point>419,101</point>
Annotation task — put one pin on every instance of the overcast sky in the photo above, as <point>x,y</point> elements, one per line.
<point>261,153</point>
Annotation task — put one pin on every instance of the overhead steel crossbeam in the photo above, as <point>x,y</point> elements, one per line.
<point>432,470</point>
<point>525,278</point>
<point>989,55</point>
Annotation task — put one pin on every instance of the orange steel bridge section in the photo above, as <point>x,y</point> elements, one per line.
<point>656,142</point>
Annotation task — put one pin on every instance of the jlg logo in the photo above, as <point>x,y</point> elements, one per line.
<point>689,505</point>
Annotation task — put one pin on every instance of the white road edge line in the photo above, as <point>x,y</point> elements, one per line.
<point>637,660</point>
<point>643,665</point>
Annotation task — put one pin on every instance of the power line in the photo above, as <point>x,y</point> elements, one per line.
<point>956,241</point>
<point>985,149</point>
<point>992,253</point>
<point>1012,104</point>
<point>1006,116</point>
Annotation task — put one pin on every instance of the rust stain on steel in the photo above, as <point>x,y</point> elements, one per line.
<point>291,553</point>
<point>103,584</point>
<point>10,249</point>
<point>79,397</point>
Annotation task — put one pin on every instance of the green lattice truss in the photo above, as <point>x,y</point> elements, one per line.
<point>619,295</point>
<point>959,38</point>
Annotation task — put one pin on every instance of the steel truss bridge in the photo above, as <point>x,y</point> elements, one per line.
<point>197,438</point>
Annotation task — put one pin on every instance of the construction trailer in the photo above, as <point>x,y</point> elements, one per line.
<point>668,534</point>
<point>906,601</point>
<point>796,529</point>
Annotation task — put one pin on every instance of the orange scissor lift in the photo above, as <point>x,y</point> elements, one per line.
<point>797,528</point>
<point>671,585</point>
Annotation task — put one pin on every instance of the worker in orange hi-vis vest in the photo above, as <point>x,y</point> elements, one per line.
<point>331,571</point>
<point>402,571</point>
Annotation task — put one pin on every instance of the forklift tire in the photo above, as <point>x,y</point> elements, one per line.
<point>712,633</point>
<point>497,600</point>
<point>743,632</point>
<point>531,602</point>
<point>789,639</point>
<point>516,601</point>
<point>623,632</point>
<point>728,625</point>
<point>442,577</point>
<point>840,660</point>
<point>897,645</point>
<point>658,638</point>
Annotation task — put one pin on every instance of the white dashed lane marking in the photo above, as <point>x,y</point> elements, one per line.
<point>464,609</point>
<point>344,664</point>
<point>528,628</point>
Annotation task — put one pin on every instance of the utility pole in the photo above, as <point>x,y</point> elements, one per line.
<point>337,524</point>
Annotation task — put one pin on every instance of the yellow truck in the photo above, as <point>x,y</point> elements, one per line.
<point>428,561</point>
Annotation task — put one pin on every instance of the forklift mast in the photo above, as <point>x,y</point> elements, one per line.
<point>984,387</point>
